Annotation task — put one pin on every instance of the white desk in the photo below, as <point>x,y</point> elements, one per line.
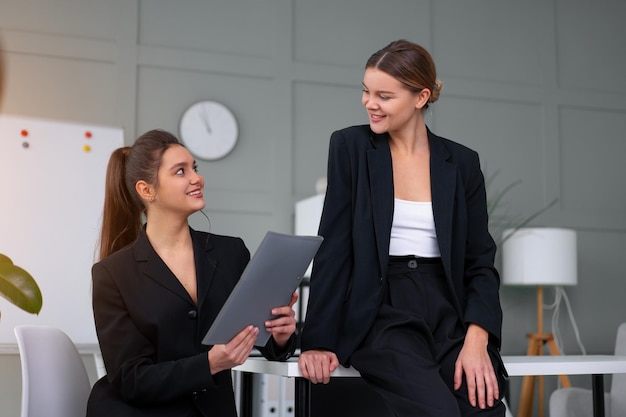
<point>595,365</point>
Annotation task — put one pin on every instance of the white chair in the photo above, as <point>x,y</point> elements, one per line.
<point>54,379</point>
<point>508,409</point>
<point>577,402</point>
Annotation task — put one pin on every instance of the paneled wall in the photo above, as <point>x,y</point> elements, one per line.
<point>536,87</point>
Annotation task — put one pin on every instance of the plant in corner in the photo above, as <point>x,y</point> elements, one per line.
<point>19,287</point>
<point>500,217</point>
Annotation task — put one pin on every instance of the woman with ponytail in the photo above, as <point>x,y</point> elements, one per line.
<point>158,287</point>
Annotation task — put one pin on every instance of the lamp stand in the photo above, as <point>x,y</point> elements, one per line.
<point>536,343</point>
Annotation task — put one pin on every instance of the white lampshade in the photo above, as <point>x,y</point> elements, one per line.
<point>539,256</point>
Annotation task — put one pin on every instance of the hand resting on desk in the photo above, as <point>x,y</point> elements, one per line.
<point>317,365</point>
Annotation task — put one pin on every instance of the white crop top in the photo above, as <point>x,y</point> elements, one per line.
<point>413,230</point>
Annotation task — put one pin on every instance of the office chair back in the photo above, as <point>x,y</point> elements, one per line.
<point>54,379</point>
<point>577,402</point>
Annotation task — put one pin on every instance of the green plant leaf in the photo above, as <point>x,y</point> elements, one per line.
<point>5,259</point>
<point>19,287</point>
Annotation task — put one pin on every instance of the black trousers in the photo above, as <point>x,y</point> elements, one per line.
<point>409,353</point>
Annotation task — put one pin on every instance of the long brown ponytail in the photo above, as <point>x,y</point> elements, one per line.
<point>123,208</point>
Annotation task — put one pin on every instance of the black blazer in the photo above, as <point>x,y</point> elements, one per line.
<point>150,331</point>
<point>351,264</point>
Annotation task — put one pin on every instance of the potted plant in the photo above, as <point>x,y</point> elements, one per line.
<point>500,217</point>
<point>19,287</point>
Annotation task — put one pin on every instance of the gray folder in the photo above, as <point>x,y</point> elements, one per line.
<point>270,278</point>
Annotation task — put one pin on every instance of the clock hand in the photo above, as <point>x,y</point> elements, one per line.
<point>205,119</point>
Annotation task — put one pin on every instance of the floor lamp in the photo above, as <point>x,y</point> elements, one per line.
<point>539,256</point>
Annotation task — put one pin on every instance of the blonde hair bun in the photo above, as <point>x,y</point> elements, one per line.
<point>434,94</point>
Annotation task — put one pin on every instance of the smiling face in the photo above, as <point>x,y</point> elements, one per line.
<point>391,106</point>
<point>179,184</point>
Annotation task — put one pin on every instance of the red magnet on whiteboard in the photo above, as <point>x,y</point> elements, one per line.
<point>88,134</point>
<point>24,132</point>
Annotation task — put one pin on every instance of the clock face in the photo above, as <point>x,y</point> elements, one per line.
<point>209,130</point>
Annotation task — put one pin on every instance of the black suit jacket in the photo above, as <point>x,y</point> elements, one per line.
<point>350,266</point>
<point>150,330</point>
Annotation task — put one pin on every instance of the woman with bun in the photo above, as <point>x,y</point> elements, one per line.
<point>404,287</point>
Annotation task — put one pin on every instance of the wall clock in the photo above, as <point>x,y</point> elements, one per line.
<point>209,130</point>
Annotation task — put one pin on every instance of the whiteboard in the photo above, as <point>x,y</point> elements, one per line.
<point>51,195</point>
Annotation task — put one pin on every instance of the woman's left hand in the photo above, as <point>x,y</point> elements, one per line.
<point>284,326</point>
<point>474,361</point>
